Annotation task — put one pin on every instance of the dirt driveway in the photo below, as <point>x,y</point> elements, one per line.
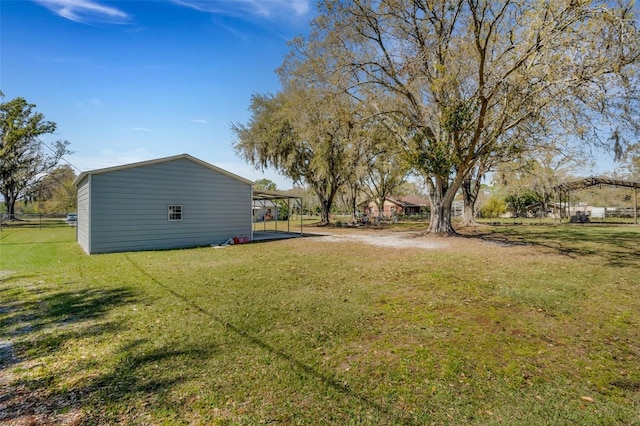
<point>387,238</point>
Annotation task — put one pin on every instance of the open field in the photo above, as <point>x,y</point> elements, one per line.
<point>504,325</point>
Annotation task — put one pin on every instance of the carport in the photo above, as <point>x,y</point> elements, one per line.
<point>564,191</point>
<point>265,230</point>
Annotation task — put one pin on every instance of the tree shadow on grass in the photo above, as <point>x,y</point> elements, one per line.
<point>8,277</point>
<point>143,376</point>
<point>36,323</point>
<point>616,247</point>
<point>56,312</point>
<point>116,396</point>
<point>334,385</point>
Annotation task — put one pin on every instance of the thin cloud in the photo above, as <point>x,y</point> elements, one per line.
<point>68,60</point>
<point>141,129</point>
<point>199,121</point>
<point>271,9</point>
<point>231,30</point>
<point>85,11</point>
<point>301,7</point>
<point>109,157</point>
<point>93,102</point>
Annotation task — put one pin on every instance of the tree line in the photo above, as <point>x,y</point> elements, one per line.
<point>28,169</point>
<point>448,90</point>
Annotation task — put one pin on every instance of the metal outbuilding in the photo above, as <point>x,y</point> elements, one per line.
<point>170,202</point>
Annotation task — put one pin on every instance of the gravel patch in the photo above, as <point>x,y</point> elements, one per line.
<point>394,240</point>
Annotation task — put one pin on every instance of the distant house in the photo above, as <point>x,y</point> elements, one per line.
<point>264,210</point>
<point>400,205</point>
<point>171,202</point>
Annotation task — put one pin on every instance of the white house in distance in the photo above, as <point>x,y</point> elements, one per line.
<point>166,203</point>
<point>265,210</point>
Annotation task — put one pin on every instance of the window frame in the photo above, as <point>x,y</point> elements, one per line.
<point>174,212</point>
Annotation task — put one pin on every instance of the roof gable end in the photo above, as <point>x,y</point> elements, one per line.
<point>159,161</point>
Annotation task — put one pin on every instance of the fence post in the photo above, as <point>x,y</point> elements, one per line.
<point>635,207</point>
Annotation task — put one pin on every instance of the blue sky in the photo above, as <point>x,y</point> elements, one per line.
<point>129,81</point>
<point>135,80</point>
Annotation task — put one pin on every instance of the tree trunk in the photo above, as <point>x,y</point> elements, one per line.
<point>324,212</point>
<point>544,205</point>
<point>380,206</point>
<point>354,209</point>
<point>325,197</point>
<point>441,199</point>
<point>325,205</point>
<point>469,197</point>
<point>440,222</point>
<point>10,204</point>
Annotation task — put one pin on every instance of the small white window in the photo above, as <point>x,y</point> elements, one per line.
<point>175,213</point>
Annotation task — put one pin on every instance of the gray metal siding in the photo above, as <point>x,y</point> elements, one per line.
<point>129,208</point>
<point>83,222</point>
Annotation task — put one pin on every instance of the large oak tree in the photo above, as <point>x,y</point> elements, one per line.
<point>455,80</point>
<point>308,135</point>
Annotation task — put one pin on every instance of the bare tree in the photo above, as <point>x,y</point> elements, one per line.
<point>464,76</point>
<point>385,172</point>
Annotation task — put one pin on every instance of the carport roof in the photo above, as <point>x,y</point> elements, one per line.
<point>593,181</point>
<point>259,194</point>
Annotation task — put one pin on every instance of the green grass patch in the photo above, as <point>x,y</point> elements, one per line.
<point>507,325</point>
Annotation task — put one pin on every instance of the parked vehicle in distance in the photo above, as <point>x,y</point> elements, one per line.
<point>72,218</point>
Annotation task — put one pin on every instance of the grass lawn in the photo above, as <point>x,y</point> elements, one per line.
<point>505,325</point>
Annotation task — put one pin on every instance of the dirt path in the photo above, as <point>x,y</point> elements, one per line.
<point>394,239</point>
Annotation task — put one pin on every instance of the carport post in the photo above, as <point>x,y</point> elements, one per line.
<point>264,215</point>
